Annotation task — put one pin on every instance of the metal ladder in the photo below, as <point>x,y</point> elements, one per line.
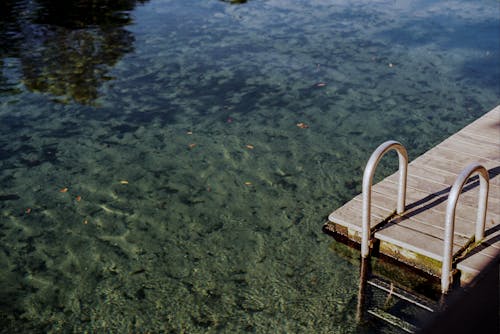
<point>391,303</point>
<point>456,189</point>
<point>366,279</point>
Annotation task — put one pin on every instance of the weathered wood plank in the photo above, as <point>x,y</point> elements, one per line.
<point>479,257</point>
<point>490,135</point>
<point>465,211</point>
<point>472,141</point>
<point>437,201</point>
<point>459,149</point>
<point>455,167</point>
<point>421,226</point>
<point>487,128</point>
<point>431,212</point>
<point>350,215</point>
<point>413,240</point>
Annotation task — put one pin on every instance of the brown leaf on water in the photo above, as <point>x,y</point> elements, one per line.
<point>63,190</point>
<point>191,146</point>
<point>302,125</point>
<point>250,147</point>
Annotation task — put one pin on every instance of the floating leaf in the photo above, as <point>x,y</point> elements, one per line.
<point>302,125</point>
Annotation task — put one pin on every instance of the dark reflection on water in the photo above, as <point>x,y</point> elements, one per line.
<point>235,2</point>
<point>82,14</point>
<point>65,47</point>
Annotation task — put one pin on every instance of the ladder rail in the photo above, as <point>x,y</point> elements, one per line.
<point>368,174</point>
<point>469,171</point>
<point>402,294</point>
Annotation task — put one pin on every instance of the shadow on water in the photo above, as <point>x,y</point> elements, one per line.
<point>65,48</point>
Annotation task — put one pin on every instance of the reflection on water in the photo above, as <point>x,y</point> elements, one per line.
<point>83,14</point>
<point>66,47</point>
<point>235,2</point>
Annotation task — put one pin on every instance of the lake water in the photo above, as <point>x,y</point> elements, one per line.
<point>166,166</point>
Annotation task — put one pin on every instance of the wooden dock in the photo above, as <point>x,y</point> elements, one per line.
<point>416,236</point>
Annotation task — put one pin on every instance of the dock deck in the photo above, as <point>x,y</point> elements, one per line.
<point>416,236</point>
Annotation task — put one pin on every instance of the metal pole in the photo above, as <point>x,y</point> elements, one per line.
<point>455,191</point>
<point>367,187</point>
<point>363,277</point>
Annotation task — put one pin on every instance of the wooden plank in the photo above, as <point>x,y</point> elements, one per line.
<point>451,155</point>
<point>487,251</point>
<point>455,167</point>
<point>475,261</point>
<point>444,177</point>
<point>492,237</point>
<point>469,198</point>
<point>425,227</point>
<point>469,195</point>
<point>410,239</point>
<point>467,201</point>
<point>454,146</point>
<point>383,207</point>
<point>466,138</point>
<point>438,200</point>
<point>434,210</point>
<point>384,203</point>
<point>486,127</point>
<point>426,212</point>
<point>350,215</point>
<point>492,136</point>
<point>432,218</point>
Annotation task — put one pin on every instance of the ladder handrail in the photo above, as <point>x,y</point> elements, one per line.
<point>469,171</point>
<point>367,187</point>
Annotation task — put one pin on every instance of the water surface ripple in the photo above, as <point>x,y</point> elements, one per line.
<point>166,166</point>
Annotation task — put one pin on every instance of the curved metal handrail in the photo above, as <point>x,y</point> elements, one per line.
<point>367,187</point>
<point>470,170</point>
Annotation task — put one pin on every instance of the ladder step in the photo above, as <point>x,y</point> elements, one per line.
<point>393,320</point>
<point>420,301</point>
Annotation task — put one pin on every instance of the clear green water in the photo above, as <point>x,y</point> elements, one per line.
<point>196,104</point>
